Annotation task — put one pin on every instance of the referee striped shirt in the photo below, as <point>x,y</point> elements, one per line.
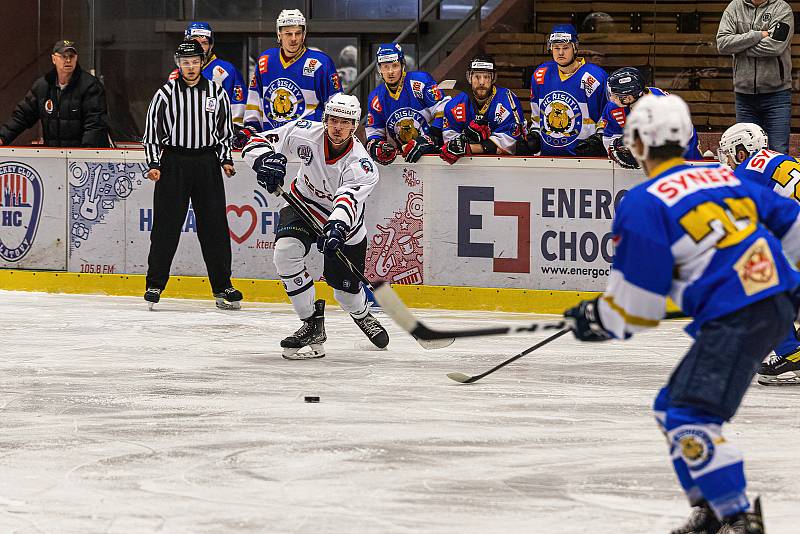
<point>187,117</point>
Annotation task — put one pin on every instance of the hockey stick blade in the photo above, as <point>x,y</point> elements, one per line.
<point>397,310</point>
<point>464,379</point>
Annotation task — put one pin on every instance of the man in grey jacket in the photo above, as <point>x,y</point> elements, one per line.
<point>759,35</point>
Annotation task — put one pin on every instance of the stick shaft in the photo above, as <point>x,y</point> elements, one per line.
<point>518,356</point>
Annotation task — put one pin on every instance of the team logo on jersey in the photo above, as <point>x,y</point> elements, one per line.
<point>696,446</point>
<point>284,99</point>
<point>417,87</point>
<point>310,67</point>
<point>460,112</point>
<point>756,268</point>
<point>405,124</point>
<point>337,84</point>
<point>589,84</point>
<point>370,119</point>
<point>305,153</point>
<point>538,76</point>
<point>219,74</point>
<point>21,200</point>
<point>238,93</point>
<point>211,104</point>
<point>619,115</point>
<point>436,93</point>
<point>761,159</point>
<point>262,64</point>
<point>500,114</point>
<point>562,119</point>
<point>253,82</point>
<point>366,165</point>
<point>376,104</point>
<point>48,105</point>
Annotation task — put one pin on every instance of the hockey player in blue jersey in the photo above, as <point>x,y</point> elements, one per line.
<point>625,86</point>
<point>568,96</point>
<point>487,120</point>
<point>743,147</point>
<point>405,112</point>
<point>218,70</point>
<point>291,82</point>
<point>721,248</point>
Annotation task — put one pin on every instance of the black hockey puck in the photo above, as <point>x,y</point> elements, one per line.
<point>311,399</point>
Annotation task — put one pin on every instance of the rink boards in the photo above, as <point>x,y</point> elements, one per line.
<point>466,234</point>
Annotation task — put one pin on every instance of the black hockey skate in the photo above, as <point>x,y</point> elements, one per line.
<point>374,330</point>
<point>701,521</point>
<point>228,299</point>
<point>311,334</point>
<point>745,522</point>
<point>780,370</point>
<point>152,296</point>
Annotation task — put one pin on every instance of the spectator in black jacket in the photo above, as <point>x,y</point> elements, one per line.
<point>70,102</point>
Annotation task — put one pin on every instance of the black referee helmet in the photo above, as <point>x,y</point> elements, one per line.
<point>189,48</point>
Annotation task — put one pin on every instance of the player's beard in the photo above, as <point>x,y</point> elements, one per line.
<point>481,94</point>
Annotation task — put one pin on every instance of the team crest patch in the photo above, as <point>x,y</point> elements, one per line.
<point>756,268</point>
<point>561,119</point>
<point>253,82</point>
<point>21,200</point>
<point>48,105</point>
<point>436,93</point>
<point>370,119</point>
<point>211,104</point>
<point>284,100</point>
<point>305,153</point>
<point>310,67</point>
<point>366,165</point>
<point>405,124</point>
<point>766,17</point>
<point>696,447</point>
<point>238,93</point>
<point>337,84</point>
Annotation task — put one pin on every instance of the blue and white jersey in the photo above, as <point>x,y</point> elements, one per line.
<point>774,170</point>
<point>401,116</point>
<point>613,124</point>
<point>566,109</point>
<point>503,112</point>
<point>226,75</point>
<point>283,91</point>
<point>711,241</point>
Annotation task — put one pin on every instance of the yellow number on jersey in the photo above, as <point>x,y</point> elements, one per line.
<point>787,172</point>
<point>737,220</point>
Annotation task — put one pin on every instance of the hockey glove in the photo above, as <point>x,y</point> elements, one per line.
<point>333,237</point>
<point>592,146</point>
<point>780,31</point>
<point>454,149</point>
<point>241,136</point>
<point>585,321</point>
<point>381,151</point>
<point>270,170</point>
<point>477,131</point>
<point>418,147</point>
<point>619,154</point>
<point>531,145</point>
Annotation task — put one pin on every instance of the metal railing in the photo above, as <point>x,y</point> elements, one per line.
<point>414,26</point>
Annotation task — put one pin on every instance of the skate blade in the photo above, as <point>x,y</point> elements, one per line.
<point>785,379</point>
<point>150,306</point>
<point>315,351</point>
<point>223,305</point>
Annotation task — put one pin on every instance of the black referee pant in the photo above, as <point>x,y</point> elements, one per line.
<point>196,175</point>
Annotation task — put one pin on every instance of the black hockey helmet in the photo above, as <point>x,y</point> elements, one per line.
<point>190,48</point>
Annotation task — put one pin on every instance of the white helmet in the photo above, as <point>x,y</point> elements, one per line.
<point>658,121</point>
<point>342,105</point>
<point>751,137</point>
<point>290,17</point>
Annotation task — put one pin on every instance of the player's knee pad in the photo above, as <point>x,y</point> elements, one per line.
<point>289,257</point>
<point>353,303</point>
<point>696,438</point>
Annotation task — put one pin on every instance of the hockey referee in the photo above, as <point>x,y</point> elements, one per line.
<point>187,139</point>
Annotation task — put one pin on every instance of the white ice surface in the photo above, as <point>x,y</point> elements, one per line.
<point>115,419</point>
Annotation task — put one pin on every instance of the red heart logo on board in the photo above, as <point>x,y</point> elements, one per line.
<point>240,212</point>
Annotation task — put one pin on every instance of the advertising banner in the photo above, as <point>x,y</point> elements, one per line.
<point>32,209</point>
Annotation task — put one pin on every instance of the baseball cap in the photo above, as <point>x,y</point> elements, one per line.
<point>62,46</point>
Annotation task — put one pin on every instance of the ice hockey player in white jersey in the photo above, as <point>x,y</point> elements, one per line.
<point>334,181</point>
<point>724,249</point>
<point>743,147</point>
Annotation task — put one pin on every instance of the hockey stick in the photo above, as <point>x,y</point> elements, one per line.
<point>397,310</point>
<point>308,218</point>
<point>464,379</point>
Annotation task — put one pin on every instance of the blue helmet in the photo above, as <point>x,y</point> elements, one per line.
<point>199,29</point>
<point>390,52</point>
<point>627,81</point>
<point>562,33</point>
